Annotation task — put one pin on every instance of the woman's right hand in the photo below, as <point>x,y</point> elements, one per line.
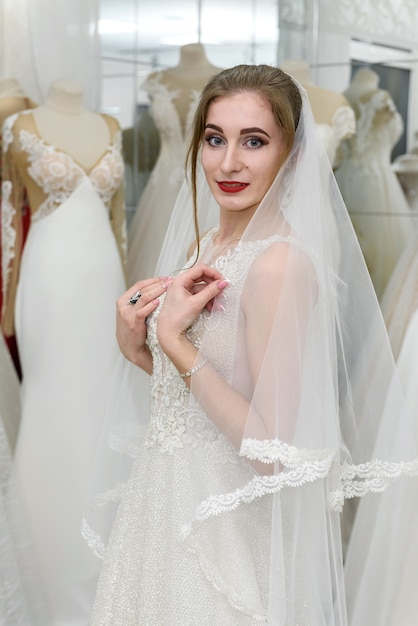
<point>131,330</point>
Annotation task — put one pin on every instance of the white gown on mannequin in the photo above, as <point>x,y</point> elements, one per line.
<point>70,277</point>
<point>369,186</point>
<point>343,125</point>
<point>149,224</point>
<point>20,601</point>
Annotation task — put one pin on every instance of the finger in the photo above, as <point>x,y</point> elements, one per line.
<point>210,292</point>
<point>154,286</point>
<point>200,272</point>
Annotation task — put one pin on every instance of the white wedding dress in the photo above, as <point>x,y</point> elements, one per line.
<point>156,571</point>
<point>371,191</point>
<point>70,277</point>
<point>150,221</point>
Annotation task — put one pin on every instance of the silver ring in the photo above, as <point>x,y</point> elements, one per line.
<point>134,299</point>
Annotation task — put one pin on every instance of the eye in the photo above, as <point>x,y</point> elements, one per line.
<point>214,140</point>
<point>254,142</point>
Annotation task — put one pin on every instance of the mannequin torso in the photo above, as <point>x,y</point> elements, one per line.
<point>364,83</point>
<point>190,75</point>
<point>324,102</point>
<point>10,88</point>
<point>64,122</point>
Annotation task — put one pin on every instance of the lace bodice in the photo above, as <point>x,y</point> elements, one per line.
<point>379,127</point>
<point>174,138</point>
<point>170,395</point>
<point>50,177</point>
<point>58,174</point>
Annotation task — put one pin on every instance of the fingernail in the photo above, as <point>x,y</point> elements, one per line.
<point>222,284</point>
<point>217,306</point>
<point>167,281</point>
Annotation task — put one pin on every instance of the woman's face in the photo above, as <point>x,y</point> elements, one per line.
<point>242,151</point>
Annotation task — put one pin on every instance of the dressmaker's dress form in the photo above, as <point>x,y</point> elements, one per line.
<point>372,193</point>
<point>150,221</point>
<point>70,276</point>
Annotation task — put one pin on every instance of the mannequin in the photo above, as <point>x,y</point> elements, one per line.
<point>13,100</point>
<point>364,82</point>
<point>190,74</point>
<point>173,94</point>
<point>59,296</point>
<point>332,112</point>
<point>370,188</point>
<point>64,122</point>
<point>9,87</point>
<point>324,102</point>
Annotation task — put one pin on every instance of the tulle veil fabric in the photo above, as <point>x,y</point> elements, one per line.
<point>325,417</point>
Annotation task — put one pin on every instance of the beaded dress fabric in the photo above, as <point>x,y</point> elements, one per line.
<point>59,296</point>
<point>179,581</point>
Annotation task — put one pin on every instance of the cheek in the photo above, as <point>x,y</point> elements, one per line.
<point>208,160</point>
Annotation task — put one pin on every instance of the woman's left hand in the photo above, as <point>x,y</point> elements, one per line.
<point>187,295</point>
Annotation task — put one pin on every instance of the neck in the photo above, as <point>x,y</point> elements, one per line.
<point>9,87</point>
<point>65,97</point>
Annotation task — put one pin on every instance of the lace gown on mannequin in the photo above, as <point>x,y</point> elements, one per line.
<point>70,276</point>
<point>149,224</point>
<point>372,193</point>
<point>21,601</point>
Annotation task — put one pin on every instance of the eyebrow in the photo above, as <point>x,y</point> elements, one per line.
<point>244,131</point>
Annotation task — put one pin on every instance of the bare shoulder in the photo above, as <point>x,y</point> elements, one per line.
<point>281,262</point>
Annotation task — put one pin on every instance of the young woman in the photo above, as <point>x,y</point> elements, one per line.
<point>261,351</point>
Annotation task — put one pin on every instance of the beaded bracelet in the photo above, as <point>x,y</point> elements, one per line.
<point>194,369</point>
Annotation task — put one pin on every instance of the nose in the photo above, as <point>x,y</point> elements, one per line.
<point>232,159</point>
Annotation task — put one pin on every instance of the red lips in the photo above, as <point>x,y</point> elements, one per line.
<point>231,186</point>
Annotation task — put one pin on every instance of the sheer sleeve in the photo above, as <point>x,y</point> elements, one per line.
<point>13,201</point>
<point>117,205</point>
<point>283,274</point>
<point>118,221</point>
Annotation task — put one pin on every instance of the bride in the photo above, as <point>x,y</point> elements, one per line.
<point>259,352</point>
